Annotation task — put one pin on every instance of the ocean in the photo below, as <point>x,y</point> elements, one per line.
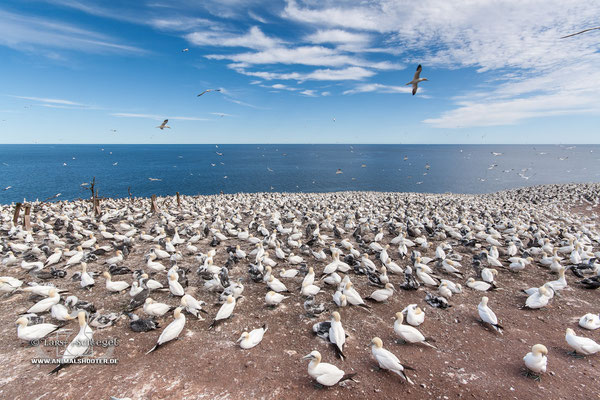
<point>42,171</point>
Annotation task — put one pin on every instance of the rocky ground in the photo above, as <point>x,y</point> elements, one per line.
<point>472,361</point>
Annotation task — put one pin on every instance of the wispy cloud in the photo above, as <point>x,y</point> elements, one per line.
<point>157,117</point>
<point>344,74</point>
<point>30,34</point>
<point>378,87</point>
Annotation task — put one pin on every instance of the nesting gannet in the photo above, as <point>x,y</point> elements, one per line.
<point>538,299</point>
<point>580,344</point>
<point>488,275</point>
<point>479,285</point>
<point>79,345</point>
<point>164,125</point>
<point>380,295</point>
<point>138,324</point>
<point>224,312</point>
<point>590,321</point>
<point>172,330</point>
<point>249,340</point>
<point>414,315</point>
<point>416,79</point>
<point>86,279</point>
<point>273,299</point>
<point>156,309</point>
<point>324,373</point>
<point>33,332</point>
<point>60,313</point>
<point>487,315</point>
<point>408,333</point>
<point>337,335</point>
<point>276,285</point>
<point>387,360</point>
<point>8,284</point>
<point>536,359</point>
<point>114,286</point>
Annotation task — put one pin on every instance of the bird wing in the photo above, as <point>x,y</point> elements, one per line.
<point>389,361</point>
<point>414,88</point>
<point>172,330</point>
<point>203,93</point>
<point>583,31</point>
<point>419,69</point>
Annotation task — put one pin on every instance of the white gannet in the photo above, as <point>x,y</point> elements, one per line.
<point>414,315</point>
<point>273,299</point>
<point>536,360</point>
<point>33,332</point>
<point>174,286</point>
<point>276,285</point>
<point>8,284</point>
<point>156,309</point>
<point>590,321</point>
<point>580,344</point>
<point>249,340</point>
<point>114,286</point>
<point>487,315</point>
<point>538,299</point>
<point>387,360</point>
<point>224,312</point>
<point>416,79</point>
<point>86,279</point>
<point>479,285</point>
<point>60,313</point>
<point>193,306</point>
<point>380,295</point>
<point>324,373</point>
<point>408,333</point>
<point>79,345</point>
<point>45,304</point>
<point>337,335</point>
<point>172,330</point>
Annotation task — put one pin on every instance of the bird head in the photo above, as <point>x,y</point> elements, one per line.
<point>377,342</point>
<point>539,349</point>
<point>313,355</point>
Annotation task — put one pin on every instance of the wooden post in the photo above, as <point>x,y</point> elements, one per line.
<point>130,195</point>
<point>96,204</point>
<point>17,212</point>
<point>154,207</point>
<point>27,218</point>
<point>178,199</point>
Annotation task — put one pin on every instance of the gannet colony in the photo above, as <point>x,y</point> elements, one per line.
<point>293,295</point>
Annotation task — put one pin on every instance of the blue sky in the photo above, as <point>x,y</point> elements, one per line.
<point>298,71</point>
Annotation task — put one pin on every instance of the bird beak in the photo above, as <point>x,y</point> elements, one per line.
<point>240,339</point>
<point>307,356</point>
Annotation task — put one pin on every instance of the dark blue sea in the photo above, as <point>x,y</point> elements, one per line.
<point>42,171</point>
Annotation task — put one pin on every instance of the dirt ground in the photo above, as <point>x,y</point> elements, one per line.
<point>473,361</point>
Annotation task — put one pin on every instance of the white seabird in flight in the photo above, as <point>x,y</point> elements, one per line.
<point>209,90</point>
<point>416,80</point>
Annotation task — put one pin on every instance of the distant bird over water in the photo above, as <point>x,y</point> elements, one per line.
<point>416,80</point>
<point>164,125</point>
<point>209,90</point>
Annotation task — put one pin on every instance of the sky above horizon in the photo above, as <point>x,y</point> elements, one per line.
<point>299,71</point>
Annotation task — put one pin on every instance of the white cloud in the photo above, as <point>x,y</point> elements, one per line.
<point>51,101</point>
<point>309,93</point>
<point>254,39</point>
<point>377,87</point>
<point>157,117</point>
<point>338,36</point>
<point>32,34</point>
<point>345,74</point>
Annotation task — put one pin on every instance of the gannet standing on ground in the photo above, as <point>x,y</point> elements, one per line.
<point>273,299</point>
<point>538,299</point>
<point>78,346</point>
<point>172,330</point>
<point>536,360</point>
<point>224,312</point>
<point>487,315</point>
<point>114,286</point>
<point>324,373</point>
<point>408,333</point>
<point>580,344</point>
<point>249,340</point>
<point>337,335</point>
<point>416,79</point>
<point>387,360</point>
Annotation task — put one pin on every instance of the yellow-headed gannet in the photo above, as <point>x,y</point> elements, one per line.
<point>416,79</point>
<point>79,345</point>
<point>45,304</point>
<point>224,312</point>
<point>590,321</point>
<point>487,315</point>
<point>536,360</point>
<point>114,286</point>
<point>580,344</point>
<point>193,306</point>
<point>380,295</point>
<point>156,309</point>
<point>387,360</point>
<point>249,340</point>
<point>539,299</point>
<point>324,373</point>
<point>33,332</point>
<point>408,333</point>
<point>172,330</point>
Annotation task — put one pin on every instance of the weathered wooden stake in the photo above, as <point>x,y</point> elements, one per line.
<point>27,218</point>
<point>130,195</point>
<point>178,199</point>
<point>17,212</point>
<point>154,205</point>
